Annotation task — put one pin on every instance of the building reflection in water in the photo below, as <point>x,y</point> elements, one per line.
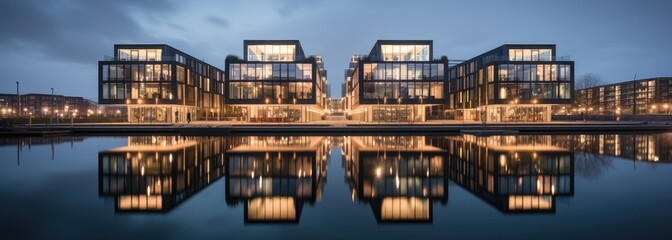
<point>275,176</point>
<point>399,176</point>
<point>157,173</point>
<point>648,148</point>
<point>515,174</point>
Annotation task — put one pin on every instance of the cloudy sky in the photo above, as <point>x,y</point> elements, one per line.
<point>58,43</point>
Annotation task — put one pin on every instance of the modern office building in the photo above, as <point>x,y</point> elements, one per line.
<point>46,105</point>
<point>511,83</point>
<point>643,96</point>
<point>399,81</point>
<point>158,83</point>
<point>275,82</point>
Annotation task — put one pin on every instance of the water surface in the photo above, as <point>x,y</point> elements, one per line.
<point>335,187</point>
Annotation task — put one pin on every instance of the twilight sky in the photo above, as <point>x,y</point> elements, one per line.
<point>58,43</point>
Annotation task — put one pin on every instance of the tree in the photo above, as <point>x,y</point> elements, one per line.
<point>584,98</point>
<point>588,80</point>
<point>231,58</point>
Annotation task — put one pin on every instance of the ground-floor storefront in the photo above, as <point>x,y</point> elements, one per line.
<point>507,113</point>
<point>170,114</point>
<point>389,113</point>
<point>277,113</point>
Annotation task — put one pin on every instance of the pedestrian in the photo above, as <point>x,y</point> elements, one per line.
<point>177,115</point>
<point>188,117</point>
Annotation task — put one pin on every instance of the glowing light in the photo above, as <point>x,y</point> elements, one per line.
<point>378,172</point>
<point>142,171</point>
<point>396,179</point>
<point>148,190</point>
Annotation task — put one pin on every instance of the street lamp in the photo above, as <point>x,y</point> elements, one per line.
<point>534,110</point>
<point>267,107</point>
<point>294,102</point>
<point>378,106</point>
<point>399,109</point>
<point>422,107</point>
<point>385,103</point>
<point>53,104</point>
<point>667,108</point>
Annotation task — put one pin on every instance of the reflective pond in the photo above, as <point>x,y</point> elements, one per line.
<point>335,187</point>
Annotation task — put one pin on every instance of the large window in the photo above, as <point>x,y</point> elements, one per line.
<point>534,90</point>
<point>266,53</point>
<point>271,71</point>
<point>396,53</point>
<point>404,90</point>
<point>535,72</point>
<point>271,90</point>
<point>139,54</point>
<point>137,72</point>
<point>530,54</point>
<point>403,71</point>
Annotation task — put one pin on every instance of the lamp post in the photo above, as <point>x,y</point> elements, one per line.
<point>18,98</point>
<point>52,106</point>
<point>667,108</point>
<point>262,119</point>
<point>280,107</point>
<point>534,110</point>
<point>385,103</point>
<point>30,119</point>
<point>378,106</point>
<point>156,110</point>
<point>399,109</point>
<point>294,105</point>
<point>422,107</point>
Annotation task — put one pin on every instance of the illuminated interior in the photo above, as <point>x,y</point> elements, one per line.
<point>397,53</point>
<point>271,53</point>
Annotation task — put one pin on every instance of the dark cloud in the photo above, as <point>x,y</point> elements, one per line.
<point>218,21</point>
<point>73,30</point>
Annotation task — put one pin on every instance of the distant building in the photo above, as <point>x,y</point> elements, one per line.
<point>643,96</point>
<point>158,83</point>
<point>45,105</point>
<point>275,82</point>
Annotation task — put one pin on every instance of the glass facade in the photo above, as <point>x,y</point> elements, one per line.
<point>276,73</point>
<point>404,52</point>
<point>159,83</point>
<point>134,54</point>
<point>271,53</point>
<point>513,82</point>
<point>270,71</point>
<point>399,78</point>
<point>530,54</point>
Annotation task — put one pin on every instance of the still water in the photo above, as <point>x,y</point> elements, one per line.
<point>335,187</point>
